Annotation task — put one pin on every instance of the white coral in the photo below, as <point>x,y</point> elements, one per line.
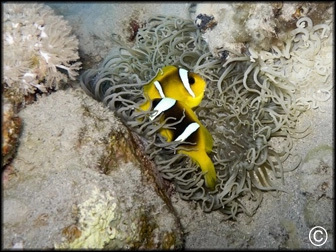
<point>39,50</point>
<point>96,215</point>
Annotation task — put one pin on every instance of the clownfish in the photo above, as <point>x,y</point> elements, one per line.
<point>177,83</point>
<point>195,139</point>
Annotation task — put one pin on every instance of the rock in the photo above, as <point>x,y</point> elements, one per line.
<point>72,191</point>
<point>259,26</point>
<point>317,172</point>
<point>10,129</point>
<point>316,183</point>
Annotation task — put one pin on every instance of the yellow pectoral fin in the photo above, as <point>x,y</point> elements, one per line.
<point>168,134</point>
<point>207,140</point>
<point>145,106</point>
<point>205,164</point>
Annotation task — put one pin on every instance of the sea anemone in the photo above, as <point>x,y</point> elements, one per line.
<point>251,106</point>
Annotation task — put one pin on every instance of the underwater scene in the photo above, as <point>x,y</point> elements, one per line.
<point>168,126</point>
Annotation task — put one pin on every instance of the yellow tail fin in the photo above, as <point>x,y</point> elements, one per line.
<point>205,164</point>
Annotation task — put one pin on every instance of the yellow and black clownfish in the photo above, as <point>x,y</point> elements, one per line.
<point>177,83</point>
<point>194,137</point>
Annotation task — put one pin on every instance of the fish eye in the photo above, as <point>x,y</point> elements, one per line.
<point>191,80</point>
